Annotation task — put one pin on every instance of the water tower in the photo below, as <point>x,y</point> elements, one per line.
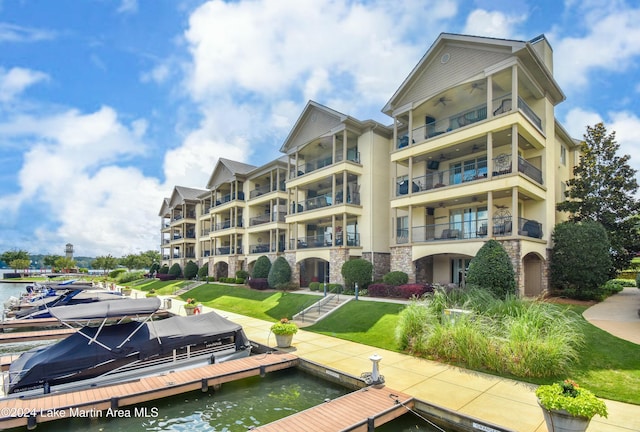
<point>68,251</point>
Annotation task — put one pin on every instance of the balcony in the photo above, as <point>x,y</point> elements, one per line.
<point>228,250</point>
<point>463,173</point>
<point>265,189</point>
<point>228,198</point>
<point>227,224</point>
<point>265,248</point>
<point>436,127</point>
<point>266,218</point>
<point>323,161</point>
<point>324,240</point>
<point>471,229</point>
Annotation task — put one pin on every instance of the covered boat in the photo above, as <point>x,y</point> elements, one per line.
<point>126,349</point>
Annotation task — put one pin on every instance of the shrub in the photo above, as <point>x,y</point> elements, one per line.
<point>638,280</point>
<point>408,291</point>
<point>357,271</point>
<point>515,336</point>
<point>580,258</point>
<point>190,270</point>
<point>113,274</point>
<point>491,270</point>
<point>242,274</point>
<point>396,278</point>
<point>175,270</point>
<point>611,287</point>
<point>164,269</point>
<point>314,286</point>
<point>261,268</point>
<point>166,276</point>
<point>154,268</point>
<point>280,272</point>
<point>625,282</point>
<point>203,271</point>
<point>130,276</point>
<point>239,281</point>
<point>379,290</point>
<point>259,283</point>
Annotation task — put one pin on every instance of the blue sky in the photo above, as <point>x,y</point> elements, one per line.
<point>105,105</point>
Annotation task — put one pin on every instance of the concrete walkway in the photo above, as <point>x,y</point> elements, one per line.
<point>618,315</point>
<point>508,403</point>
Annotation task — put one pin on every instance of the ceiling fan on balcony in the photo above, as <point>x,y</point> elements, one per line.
<point>476,86</point>
<point>442,100</point>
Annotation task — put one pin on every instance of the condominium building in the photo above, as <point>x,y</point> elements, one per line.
<point>472,152</point>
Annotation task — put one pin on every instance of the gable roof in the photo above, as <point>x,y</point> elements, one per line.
<point>479,55</point>
<point>227,170</point>
<point>181,194</point>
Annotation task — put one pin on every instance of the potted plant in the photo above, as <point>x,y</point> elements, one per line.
<point>190,306</point>
<point>567,407</point>
<point>284,331</point>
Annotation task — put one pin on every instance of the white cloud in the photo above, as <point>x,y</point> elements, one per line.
<point>609,43</point>
<point>14,81</point>
<point>75,166</point>
<point>128,6</point>
<point>492,24</point>
<point>15,33</point>
<point>625,124</point>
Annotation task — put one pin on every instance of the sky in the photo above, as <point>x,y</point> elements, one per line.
<point>106,105</point>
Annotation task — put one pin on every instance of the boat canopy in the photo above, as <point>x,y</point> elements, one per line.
<point>106,309</point>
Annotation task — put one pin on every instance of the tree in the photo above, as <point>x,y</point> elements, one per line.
<point>104,263</point>
<point>65,263</point>
<point>261,268</point>
<point>358,271</point>
<point>280,272</point>
<point>203,271</point>
<point>13,255</point>
<point>50,260</point>
<point>19,264</point>
<point>491,270</point>
<point>580,258</point>
<point>134,262</point>
<point>190,270</point>
<point>604,190</point>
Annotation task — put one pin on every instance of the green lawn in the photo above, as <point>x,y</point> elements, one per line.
<point>606,361</point>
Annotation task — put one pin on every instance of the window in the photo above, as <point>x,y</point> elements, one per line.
<point>563,155</point>
<point>468,170</point>
<point>469,222</point>
<point>402,229</point>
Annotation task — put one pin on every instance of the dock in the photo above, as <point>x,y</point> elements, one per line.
<point>29,336</point>
<point>39,409</point>
<point>360,411</point>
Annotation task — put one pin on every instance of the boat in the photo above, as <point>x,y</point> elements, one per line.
<point>135,346</point>
<point>37,306</point>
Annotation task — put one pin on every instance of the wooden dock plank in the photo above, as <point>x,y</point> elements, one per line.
<point>146,389</point>
<point>348,412</point>
<point>28,336</point>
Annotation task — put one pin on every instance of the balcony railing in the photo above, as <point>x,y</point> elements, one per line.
<point>435,127</point>
<point>228,198</point>
<point>227,224</point>
<point>467,172</point>
<point>266,248</point>
<point>324,161</point>
<point>261,190</point>
<point>325,240</point>
<point>266,218</point>
<point>228,250</point>
<point>470,229</point>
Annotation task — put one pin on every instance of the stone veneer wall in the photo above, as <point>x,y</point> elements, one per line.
<point>401,260</point>
<point>295,267</point>
<point>337,257</point>
<point>513,250</point>
<point>381,263</point>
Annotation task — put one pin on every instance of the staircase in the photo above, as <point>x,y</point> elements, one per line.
<point>189,287</point>
<point>321,309</point>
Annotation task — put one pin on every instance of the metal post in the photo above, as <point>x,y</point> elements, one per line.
<point>356,290</point>
<point>325,289</point>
